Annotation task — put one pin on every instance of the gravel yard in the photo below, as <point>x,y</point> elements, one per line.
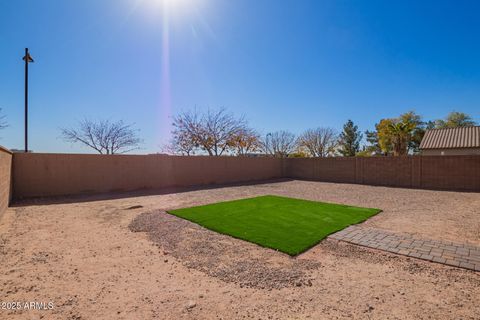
<point>126,258</point>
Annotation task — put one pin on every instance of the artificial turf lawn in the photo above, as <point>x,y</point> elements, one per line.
<point>285,224</point>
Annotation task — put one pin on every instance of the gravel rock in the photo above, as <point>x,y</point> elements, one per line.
<point>223,257</point>
<point>191,304</point>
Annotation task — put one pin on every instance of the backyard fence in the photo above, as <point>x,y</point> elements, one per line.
<point>38,175</point>
<point>41,174</point>
<point>429,172</point>
<point>5,178</point>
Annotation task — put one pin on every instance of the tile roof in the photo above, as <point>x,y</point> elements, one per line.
<point>461,137</point>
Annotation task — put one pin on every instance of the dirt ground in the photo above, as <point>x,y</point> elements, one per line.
<point>126,258</point>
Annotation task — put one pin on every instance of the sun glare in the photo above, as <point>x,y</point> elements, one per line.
<point>175,19</point>
<point>173,4</point>
<point>177,9</point>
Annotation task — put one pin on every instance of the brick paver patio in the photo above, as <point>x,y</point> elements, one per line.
<point>444,252</point>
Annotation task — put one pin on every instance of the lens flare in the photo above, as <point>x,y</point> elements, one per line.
<point>165,88</point>
<point>171,13</point>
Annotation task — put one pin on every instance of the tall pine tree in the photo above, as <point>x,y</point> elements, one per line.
<point>350,140</point>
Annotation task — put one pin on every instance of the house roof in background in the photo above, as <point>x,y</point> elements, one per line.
<point>449,138</point>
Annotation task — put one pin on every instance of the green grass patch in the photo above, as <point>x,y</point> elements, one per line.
<point>285,224</point>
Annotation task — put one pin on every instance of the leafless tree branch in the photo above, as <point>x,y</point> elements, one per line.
<point>279,144</point>
<point>213,131</point>
<point>320,142</point>
<point>104,136</point>
<point>3,122</point>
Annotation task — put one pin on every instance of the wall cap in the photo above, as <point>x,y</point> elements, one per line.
<point>5,150</point>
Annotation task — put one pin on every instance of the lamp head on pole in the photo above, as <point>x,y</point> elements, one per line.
<point>28,58</point>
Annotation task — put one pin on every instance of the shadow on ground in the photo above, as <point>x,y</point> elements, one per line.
<point>118,194</point>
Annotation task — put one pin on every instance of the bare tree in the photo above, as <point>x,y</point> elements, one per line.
<point>320,142</point>
<point>212,131</point>
<point>219,127</point>
<point>244,141</point>
<point>187,128</point>
<point>3,122</point>
<point>104,136</point>
<point>279,144</point>
<point>181,143</point>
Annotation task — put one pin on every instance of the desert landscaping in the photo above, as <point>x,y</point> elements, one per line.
<point>263,160</point>
<point>112,257</point>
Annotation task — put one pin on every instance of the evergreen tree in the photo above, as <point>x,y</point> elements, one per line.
<point>373,147</point>
<point>350,139</point>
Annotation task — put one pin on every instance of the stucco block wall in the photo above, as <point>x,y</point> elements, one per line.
<point>389,171</point>
<point>451,172</point>
<point>451,152</point>
<point>431,172</point>
<point>38,174</point>
<point>322,169</point>
<point>5,179</point>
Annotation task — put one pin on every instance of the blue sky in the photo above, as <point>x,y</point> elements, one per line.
<point>284,64</point>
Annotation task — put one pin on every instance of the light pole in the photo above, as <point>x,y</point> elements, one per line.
<point>267,143</point>
<point>27,58</point>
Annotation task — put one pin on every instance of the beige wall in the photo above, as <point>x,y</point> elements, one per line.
<point>430,172</point>
<point>5,178</point>
<point>37,174</point>
<point>322,169</point>
<point>451,152</point>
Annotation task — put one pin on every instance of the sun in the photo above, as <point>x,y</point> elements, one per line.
<point>173,1</point>
<point>175,9</point>
<point>174,4</point>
